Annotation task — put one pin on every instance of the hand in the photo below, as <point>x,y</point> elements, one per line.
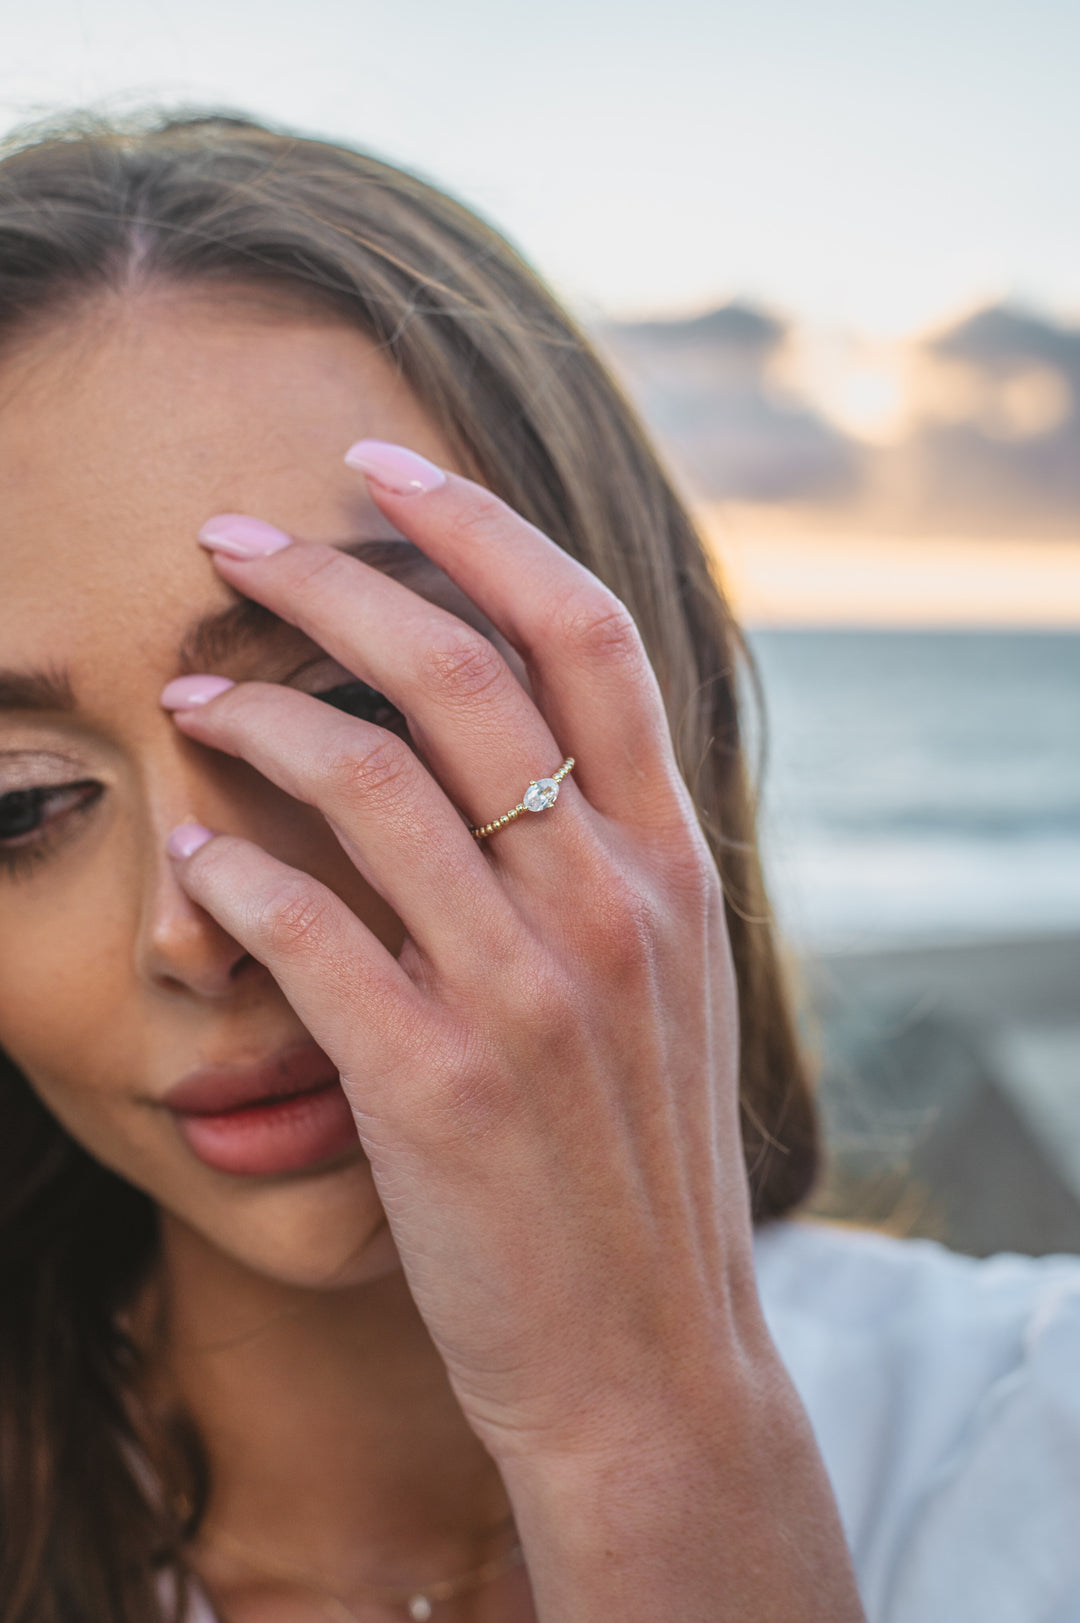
<point>545,1079</point>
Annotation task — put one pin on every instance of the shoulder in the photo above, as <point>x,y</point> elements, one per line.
<point>945,1395</point>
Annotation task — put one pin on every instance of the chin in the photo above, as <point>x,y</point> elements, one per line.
<point>324,1231</point>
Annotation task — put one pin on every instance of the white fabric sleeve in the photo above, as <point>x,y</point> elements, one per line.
<point>945,1396</point>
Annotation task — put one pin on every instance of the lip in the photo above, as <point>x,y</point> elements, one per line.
<point>283,1114</point>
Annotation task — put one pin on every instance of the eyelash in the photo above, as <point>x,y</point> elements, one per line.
<point>355,698</point>
<point>19,859</point>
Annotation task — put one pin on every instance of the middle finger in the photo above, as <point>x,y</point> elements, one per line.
<point>469,717</point>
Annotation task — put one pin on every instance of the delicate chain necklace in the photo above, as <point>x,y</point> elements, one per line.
<point>417,1603</point>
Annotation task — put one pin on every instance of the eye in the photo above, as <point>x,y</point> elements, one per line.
<point>359,699</point>
<point>24,811</point>
<point>30,819</point>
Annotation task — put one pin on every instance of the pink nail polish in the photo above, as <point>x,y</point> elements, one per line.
<point>184,841</point>
<point>238,536</point>
<point>188,691</point>
<point>395,468</point>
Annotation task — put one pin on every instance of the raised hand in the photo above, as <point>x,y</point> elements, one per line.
<point>545,1077</point>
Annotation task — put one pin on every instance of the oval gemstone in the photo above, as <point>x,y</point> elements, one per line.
<point>540,795</point>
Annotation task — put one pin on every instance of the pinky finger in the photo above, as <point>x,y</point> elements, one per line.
<point>339,978</point>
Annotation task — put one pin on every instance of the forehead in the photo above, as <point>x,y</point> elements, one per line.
<point>123,431</point>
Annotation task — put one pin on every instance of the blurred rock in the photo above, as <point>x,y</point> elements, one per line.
<point>950,1092</point>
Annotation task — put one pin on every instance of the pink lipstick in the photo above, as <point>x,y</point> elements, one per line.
<point>284,1114</point>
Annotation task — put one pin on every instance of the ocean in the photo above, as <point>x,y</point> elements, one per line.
<point>921,787</point>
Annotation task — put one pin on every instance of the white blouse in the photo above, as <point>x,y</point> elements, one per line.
<point>944,1393</point>
<point>945,1396</point>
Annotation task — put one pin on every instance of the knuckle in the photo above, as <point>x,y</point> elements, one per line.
<point>461,666</point>
<point>295,917</point>
<point>598,627</point>
<point>369,772</point>
<point>679,855</point>
<point>621,925</point>
<point>688,867</point>
<point>463,1094</point>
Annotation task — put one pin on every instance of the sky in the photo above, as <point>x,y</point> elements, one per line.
<point>872,171</point>
<point>877,166</point>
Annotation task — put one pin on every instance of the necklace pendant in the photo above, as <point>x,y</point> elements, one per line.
<point>419,1608</point>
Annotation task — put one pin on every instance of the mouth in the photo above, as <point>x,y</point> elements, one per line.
<point>284,1114</point>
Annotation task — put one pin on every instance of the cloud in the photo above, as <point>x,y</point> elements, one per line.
<point>708,387</point>
<point>989,441</point>
<point>1001,446</point>
<point>1003,337</point>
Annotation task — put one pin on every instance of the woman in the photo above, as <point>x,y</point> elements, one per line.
<point>380,1160</point>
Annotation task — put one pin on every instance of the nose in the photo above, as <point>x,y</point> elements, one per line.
<point>183,949</point>
<point>180,948</point>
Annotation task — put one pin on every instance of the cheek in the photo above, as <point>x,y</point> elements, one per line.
<point>65,978</point>
<point>65,1021</point>
<point>93,1011</point>
<point>69,1006</point>
<point>88,1031</point>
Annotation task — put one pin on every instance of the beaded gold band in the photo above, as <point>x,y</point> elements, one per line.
<point>541,793</point>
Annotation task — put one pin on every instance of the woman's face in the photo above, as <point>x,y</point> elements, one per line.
<point>121,433</point>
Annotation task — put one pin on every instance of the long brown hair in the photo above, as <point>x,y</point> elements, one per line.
<point>88,1497</point>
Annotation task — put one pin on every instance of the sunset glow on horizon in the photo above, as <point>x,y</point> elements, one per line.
<point>778,575</point>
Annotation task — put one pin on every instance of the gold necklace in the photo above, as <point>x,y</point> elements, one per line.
<point>418,1602</point>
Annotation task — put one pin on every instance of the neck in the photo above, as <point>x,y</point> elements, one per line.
<point>334,1440</point>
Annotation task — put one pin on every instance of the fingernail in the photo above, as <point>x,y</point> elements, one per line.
<point>238,536</point>
<point>184,841</point>
<point>399,470</point>
<point>188,691</point>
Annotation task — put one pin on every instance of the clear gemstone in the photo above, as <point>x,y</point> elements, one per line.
<point>419,1609</point>
<point>540,795</point>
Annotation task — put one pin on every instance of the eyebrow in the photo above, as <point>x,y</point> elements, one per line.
<point>212,639</point>
<point>36,690</point>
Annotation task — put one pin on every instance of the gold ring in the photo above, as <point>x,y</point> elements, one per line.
<point>541,793</point>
